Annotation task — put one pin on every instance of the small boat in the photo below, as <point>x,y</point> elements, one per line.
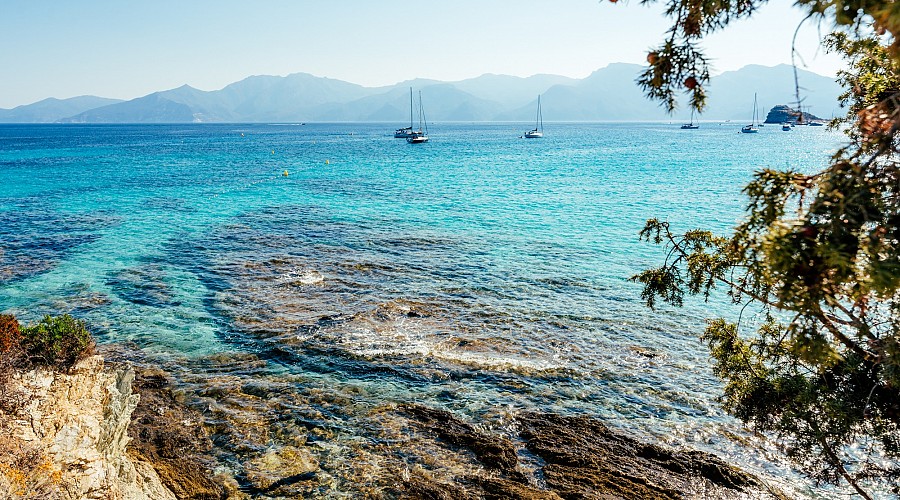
<point>786,127</point>
<point>421,135</point>
<point>406,132</point>
<point>690,126</point>
<point>754,125</point>
<point>816,124</point>
<point>403,133</point>
<point>417,138</point>
<point>538,131</point>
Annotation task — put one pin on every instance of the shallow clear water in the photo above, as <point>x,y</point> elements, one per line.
<point>479,272</point>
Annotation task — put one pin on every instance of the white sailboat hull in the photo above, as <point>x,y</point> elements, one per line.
<point>538,130</point>
<point>753,128</point>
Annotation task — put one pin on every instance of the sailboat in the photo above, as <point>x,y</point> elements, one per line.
<point>690,126</point>
<point>538,131</point>
<point>406,132</point>
<point>421,135</point>
<point>754,126</point>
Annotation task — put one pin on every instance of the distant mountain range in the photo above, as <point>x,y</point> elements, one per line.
<point>608,94</point>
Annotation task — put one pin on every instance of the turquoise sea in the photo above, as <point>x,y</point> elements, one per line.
<point>305,276</point>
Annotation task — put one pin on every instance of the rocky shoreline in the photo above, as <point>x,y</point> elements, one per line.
<point>118,430</point>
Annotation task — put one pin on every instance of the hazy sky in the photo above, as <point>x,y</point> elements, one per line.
<point>126,49</point>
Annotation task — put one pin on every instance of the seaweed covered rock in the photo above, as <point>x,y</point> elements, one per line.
<point>170,436</point>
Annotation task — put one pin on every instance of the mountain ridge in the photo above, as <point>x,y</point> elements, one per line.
<point>607,94</point>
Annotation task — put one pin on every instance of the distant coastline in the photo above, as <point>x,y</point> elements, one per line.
<point>609,94</point>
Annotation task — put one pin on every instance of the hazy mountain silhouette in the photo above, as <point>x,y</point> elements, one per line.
<point>51,110</point>
<point>608,94</point>
<point>731,93</point>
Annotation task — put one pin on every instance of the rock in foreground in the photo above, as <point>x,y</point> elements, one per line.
<point>579,458</point>
<point>64,436</point>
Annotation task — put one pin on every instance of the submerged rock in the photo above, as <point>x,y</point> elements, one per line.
<point>492,451</point>
<point>584,458</point>
<point>555,456</point>
<point>279,468</point>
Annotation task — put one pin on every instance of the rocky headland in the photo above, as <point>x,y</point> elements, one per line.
<point>783,113</point>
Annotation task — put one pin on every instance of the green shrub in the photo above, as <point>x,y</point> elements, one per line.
<point>59,341</point>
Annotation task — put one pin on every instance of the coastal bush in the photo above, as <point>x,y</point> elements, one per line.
<point>10,335</point>
<point>817,254</point>
<point>26,472</point>
<point>57,341</point>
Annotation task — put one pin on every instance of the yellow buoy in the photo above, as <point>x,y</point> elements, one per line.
<point>326,162</point>
<point>273,151</point>
<point>285,173</point>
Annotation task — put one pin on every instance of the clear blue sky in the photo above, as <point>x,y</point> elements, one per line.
<point>126,49</point>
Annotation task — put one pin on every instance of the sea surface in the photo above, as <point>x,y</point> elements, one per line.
<point>304,277</point>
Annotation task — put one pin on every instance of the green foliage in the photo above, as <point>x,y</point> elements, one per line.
<point>679,64</point>
<point>58,341</point>
<point>819,252</point>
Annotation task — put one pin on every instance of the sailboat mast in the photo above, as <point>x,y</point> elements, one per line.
<point>410,109</point>
<point>422,115</point>
<point>540,114</point>
<point>755,110</point>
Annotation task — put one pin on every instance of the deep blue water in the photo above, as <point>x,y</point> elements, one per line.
<point>479,272</point>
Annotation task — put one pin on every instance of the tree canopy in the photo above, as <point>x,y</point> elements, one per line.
<point>818,253</point>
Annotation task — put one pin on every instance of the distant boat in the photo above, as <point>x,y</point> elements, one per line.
<point>690,126</point>
<point>538,131</point>
<point>421,135</point>
<point>406,132</point>
<point>815,124</point>
<point>754,125</point>
<point>786,127</point>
